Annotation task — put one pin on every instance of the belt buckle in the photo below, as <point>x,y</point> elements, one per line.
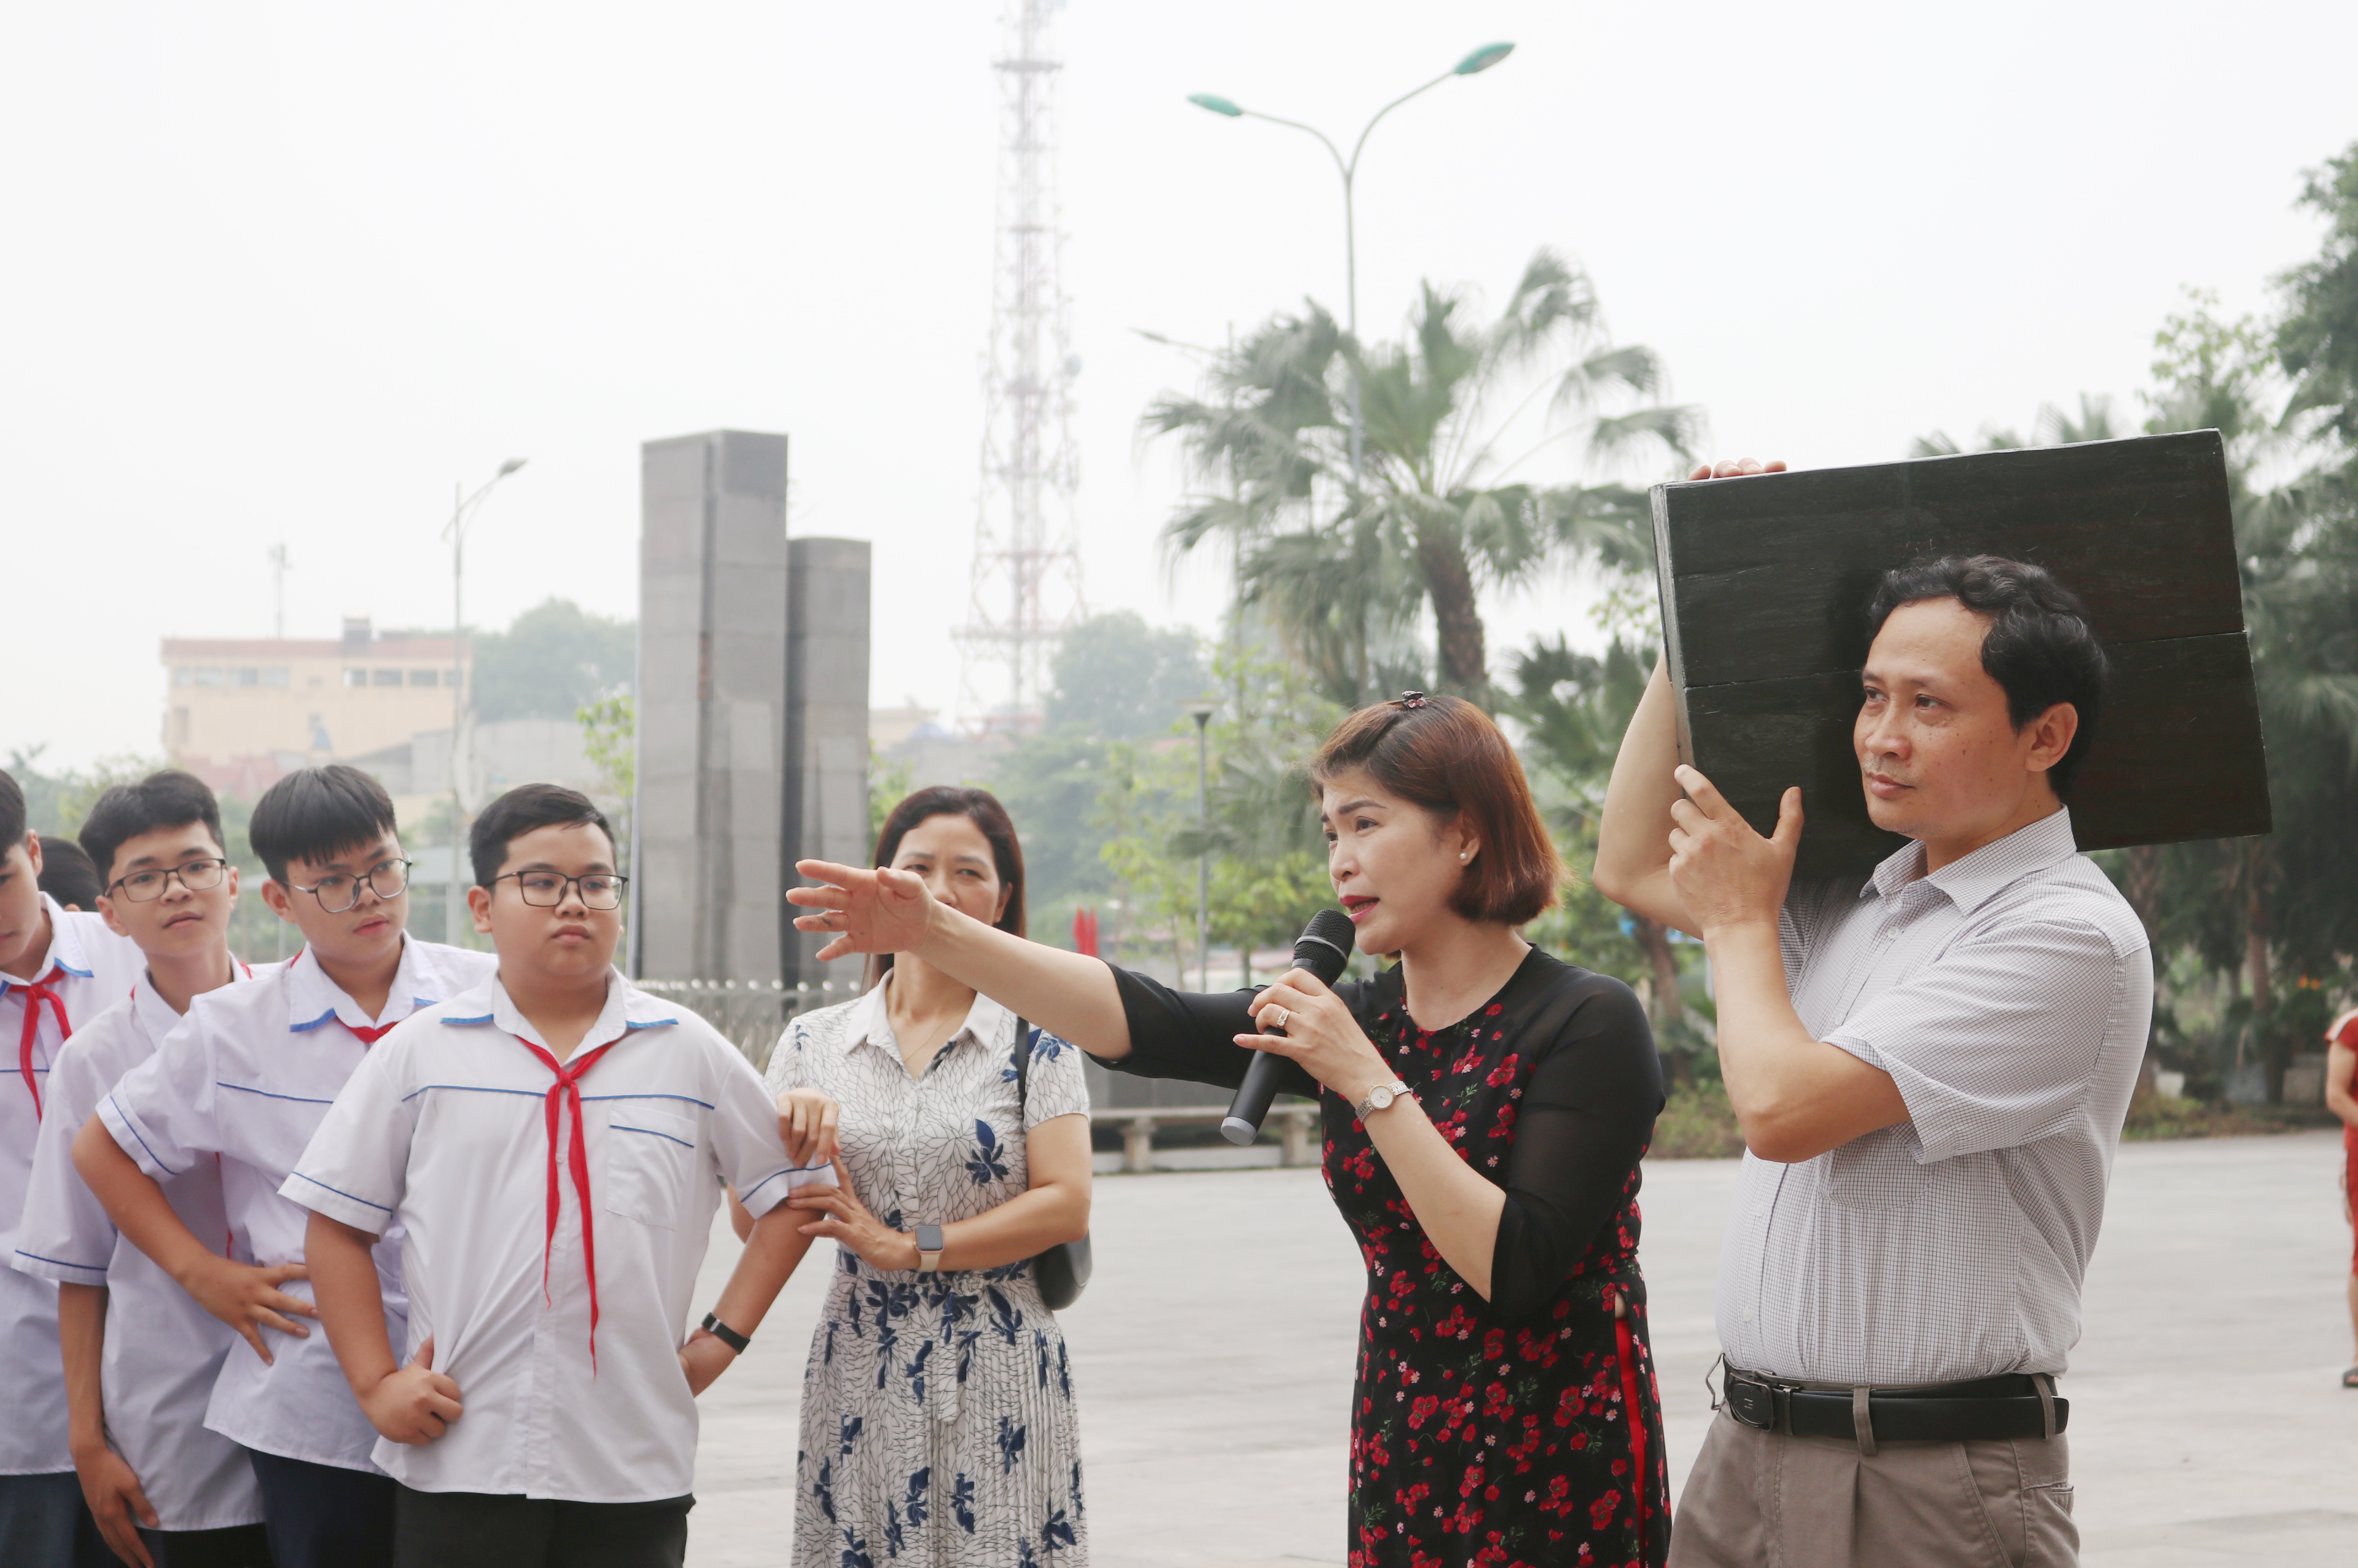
<point>1754,1404</point>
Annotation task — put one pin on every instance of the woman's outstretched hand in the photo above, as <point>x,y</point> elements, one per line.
<point>877,911</point>
<point>1320,1033</point>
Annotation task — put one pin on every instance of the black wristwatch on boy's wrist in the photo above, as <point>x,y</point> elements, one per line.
<point>726,1334</point>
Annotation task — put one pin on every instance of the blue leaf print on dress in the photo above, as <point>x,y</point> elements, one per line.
<point>1003,1315</point>
<point>825,1490</point>
<point>888,1339</point>
<point>855,1551</point>
<point>850,1436</point>
<point>1077,1510</point>
<point>892,1529</point>
<point>1024,1558</point>
<point>1039,1354</point>
<point>962,1502</point>
<point>1011,1443</point>
<point>1063,1369</point>
<point>914,1508</point>
<point>988,1164</point>
<point>1058,1531</point>
<point>1045,1047</point>
<point>917,1370</point>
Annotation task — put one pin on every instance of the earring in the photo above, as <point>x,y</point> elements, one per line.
<point>1461,857</point>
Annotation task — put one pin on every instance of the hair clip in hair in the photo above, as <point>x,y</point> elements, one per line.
<point>1414,699</point>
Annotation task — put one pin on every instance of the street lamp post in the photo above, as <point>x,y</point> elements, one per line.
<point>1473,64</point>
<point>463,512</point>
<point>1201,712</point>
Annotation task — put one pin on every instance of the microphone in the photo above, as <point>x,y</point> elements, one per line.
<point>1323,948</point>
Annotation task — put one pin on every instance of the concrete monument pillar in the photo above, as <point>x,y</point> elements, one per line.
<point>712,706</point>
<point>825,798</point>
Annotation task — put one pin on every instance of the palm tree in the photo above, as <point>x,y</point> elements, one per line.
<point>1344,562</point>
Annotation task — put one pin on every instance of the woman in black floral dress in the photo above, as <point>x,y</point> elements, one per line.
<point>1505,1412</point>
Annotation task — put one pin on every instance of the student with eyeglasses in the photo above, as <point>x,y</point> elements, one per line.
<point>246,1078</point>
<point>549,1147</point>
<point>139,1355</point>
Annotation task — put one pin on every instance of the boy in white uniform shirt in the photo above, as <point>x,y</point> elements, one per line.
<point>140,1356</point>
<point>56,971</point>
<point>552,1144</point>
<point>245,1079</point>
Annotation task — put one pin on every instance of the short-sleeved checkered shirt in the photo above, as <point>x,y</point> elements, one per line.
<point>2008,996</point>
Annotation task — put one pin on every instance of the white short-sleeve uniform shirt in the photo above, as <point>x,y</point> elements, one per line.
<point>86,969</point>
<point>443,1134</point>
<point>162,1350</point>
<point>246,1078</point>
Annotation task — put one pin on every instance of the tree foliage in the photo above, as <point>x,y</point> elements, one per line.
<point>556,659</point>
<point>1347,560</point>
<point>1118,678</point>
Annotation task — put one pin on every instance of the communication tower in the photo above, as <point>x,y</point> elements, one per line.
<point>1027,563</point>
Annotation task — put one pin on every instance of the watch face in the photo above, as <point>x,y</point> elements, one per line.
<point>1380,1097</point>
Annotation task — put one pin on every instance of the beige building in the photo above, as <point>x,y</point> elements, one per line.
<point>241,712</point>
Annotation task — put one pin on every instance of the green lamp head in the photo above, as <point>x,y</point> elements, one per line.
<point>1219,105</point>
<point>1480,60</point>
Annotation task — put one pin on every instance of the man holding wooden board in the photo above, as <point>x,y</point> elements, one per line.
<point>1931,1060</point>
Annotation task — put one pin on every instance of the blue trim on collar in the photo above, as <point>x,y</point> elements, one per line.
<point>68,968</point>
<point>468,1022</point>
<point>649,1024</point>
<point>326,1018</point>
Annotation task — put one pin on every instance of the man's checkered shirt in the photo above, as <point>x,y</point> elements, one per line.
<point>2008,996</point>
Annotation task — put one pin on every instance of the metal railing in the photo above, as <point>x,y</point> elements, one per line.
<point>751,1014</point>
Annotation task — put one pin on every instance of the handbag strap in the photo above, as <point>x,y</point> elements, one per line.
<point>1022,1064</point>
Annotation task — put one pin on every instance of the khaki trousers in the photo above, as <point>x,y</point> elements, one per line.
<point>1760,1500</point>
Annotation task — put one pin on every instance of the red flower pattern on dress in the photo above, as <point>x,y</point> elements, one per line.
<point>1480,1442</point>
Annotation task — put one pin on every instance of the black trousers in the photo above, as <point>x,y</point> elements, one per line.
<point>238,1546</point>
<point>462,1529</point>
<point>324,1516</point>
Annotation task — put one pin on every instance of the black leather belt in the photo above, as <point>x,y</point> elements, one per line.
<point>2012,1405</point>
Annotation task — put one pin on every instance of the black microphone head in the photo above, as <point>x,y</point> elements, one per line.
<point>1325,945</point>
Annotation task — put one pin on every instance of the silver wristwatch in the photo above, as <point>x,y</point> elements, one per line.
<point>1381,1096</point>
<point>929,1249</point>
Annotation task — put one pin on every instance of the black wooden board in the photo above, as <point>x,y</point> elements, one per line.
<point>1765,582</point>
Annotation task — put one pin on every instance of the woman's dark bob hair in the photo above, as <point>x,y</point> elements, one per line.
<point>982,808</point>
<point>1447,756</point>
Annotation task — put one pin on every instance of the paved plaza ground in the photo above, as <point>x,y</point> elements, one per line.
<point>1213,1355</point>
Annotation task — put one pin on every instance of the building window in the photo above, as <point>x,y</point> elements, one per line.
<point>355,677</point>
<point>275,674</point>
<point>384,677</point>
<point>424,678</point>
<point>206,675</point>
<point>245,678</point>
<point>449,677</point>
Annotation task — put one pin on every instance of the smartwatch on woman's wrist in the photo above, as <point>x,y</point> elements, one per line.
<point>929,1249</point>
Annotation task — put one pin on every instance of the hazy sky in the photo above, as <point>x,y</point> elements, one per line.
<point>284,272</point>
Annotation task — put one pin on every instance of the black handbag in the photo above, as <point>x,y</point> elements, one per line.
<point>1062,1272</point>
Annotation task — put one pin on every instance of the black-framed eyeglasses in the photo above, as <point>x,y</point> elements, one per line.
<point>337,893</point>
<point>197,876</point>
<point>546,890</point>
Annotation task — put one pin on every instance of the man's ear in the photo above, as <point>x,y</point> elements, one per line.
<point>2050,735</point>
<point>106,913</point>
<point>276,899</point>
<point>479,904</point>
<point>33,852</point>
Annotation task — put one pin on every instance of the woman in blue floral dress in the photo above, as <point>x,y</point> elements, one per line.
<point>938,1417</point>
